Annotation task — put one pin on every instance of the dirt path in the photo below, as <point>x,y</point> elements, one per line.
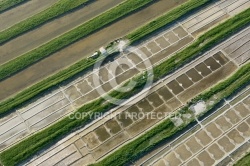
<point>83,48</point>
<point>22,12</point>
<point>47,32</point>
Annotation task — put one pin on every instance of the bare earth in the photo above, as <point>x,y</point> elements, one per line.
<point>22,12</point>
<point>57,27</point>
<point>83,48</point>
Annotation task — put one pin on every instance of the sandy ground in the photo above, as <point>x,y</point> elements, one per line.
<point>50,30</point>
<point>22,12</point>
<point>83,48</point>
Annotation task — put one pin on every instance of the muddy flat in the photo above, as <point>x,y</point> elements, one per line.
<point>23,11</point>
<point>83,48</point>
<point>52,29</point>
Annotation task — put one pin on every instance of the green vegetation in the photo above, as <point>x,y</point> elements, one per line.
<point>245,161</point>
<point>229,85</point>
<point>166,129</point>
<point>7,4</point>
<point>36,142</point>
<point>204,42</point>
<point>165,19</point>
<point>57,9</point>
<point>68,38</point>
<point>44,85</point>
<point>141,145</point>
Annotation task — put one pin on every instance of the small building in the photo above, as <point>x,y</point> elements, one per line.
<point>103,51</point>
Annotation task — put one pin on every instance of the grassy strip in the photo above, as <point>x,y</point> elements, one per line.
<point>244,161</point>
<point>70,37</point>
<point>165,19</point>
<point>7,4</point>
<point>166,129</point>
<point>31,145</point>
<point>44,85</point>
<point>205,42</point>
<point>242,76</point>
<point>57,9</point>
<point>136,148</point>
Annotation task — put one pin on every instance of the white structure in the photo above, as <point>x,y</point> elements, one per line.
<point>103,50</point>
<point>199,107</point>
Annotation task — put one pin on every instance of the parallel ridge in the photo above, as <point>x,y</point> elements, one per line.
<point>165,19</point>
<point>33,144</point>
<point>66,39</point>
<point>166,129</point>
<point>7,4</point>
<point>59,8</point>
<point>63,75</point>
